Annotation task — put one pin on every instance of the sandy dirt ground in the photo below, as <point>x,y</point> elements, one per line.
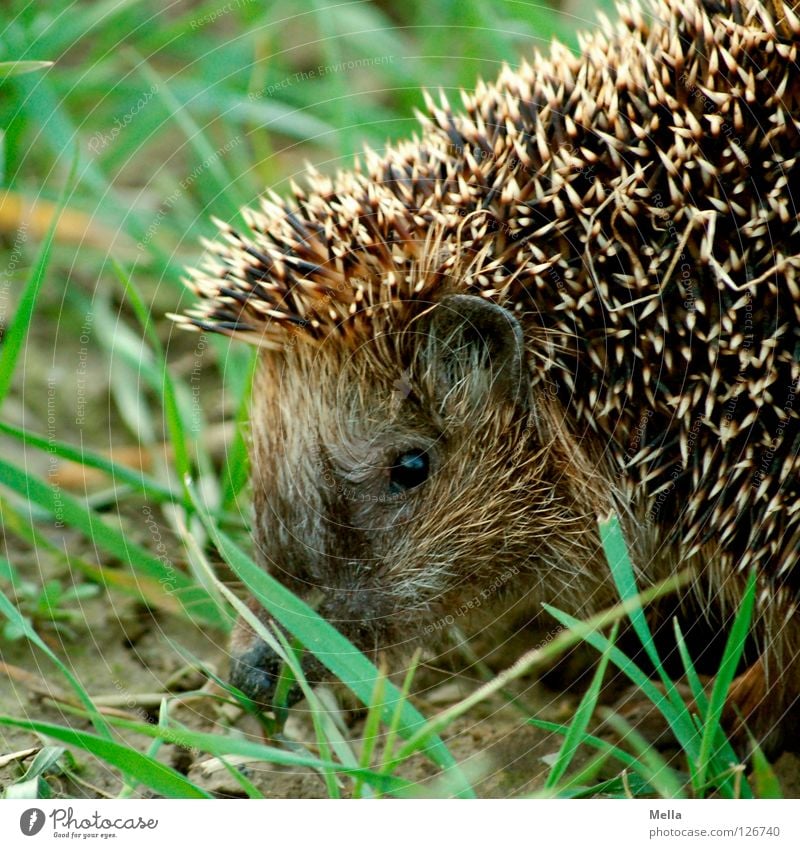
<point>128,659</point>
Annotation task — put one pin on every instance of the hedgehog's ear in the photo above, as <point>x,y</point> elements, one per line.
<point>475,350</point>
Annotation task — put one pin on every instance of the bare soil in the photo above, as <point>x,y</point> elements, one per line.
<point>127,658</point>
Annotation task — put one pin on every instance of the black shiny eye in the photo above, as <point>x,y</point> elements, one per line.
<point>410,470</point>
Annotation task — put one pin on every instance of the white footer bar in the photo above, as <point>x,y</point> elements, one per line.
<point>400,824</point>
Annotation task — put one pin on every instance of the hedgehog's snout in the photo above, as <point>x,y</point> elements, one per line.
<point>255,669</point>
<point>255,672</point>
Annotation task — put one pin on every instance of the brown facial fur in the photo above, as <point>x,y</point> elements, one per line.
<point>506,491</point>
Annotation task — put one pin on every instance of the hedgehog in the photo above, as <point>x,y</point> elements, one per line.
<point>576,294</point>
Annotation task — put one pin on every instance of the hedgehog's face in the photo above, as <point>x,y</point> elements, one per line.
<point>396,495</point>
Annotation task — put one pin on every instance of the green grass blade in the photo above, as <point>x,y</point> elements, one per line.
<point>590,741</point>
<point>577,727</point>
<point>765,782</point>
<point>316,711</point>
<point>146,588</point>
<point>46,759</point>
<point>17,331</point>
<point>734,648</point>
<point>93,19</point>
<point>726,754</point>
<point>10,611</point>
<point>621,568</point>
<point>371,728</point>
<point>222,746</point>
<point>388,762</point>
<point>159,777</point>
<point>616,552</point>
<point>686,736</point>
<point>189,597</point>
<point>625,786</point>
<point>690,742</point>
<point>175,425</point>
<point>698,692</point>
<point>619,563</point>
<point>580,783</point>
<point>283,688</point>
<point>659,774</point>
<point>141,482</point>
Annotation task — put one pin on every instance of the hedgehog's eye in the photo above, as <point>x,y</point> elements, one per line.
<point>409,470</point>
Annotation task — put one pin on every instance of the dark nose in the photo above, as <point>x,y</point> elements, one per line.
<point>256,672</point>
